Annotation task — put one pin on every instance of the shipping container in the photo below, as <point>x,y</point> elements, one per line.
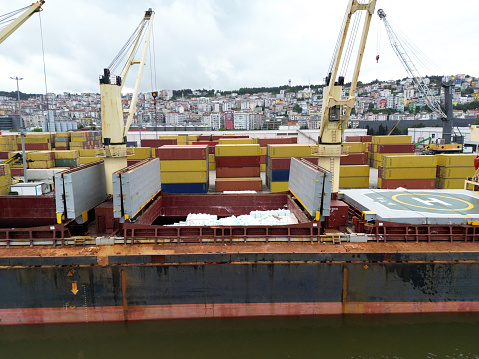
<point>184,177</point>
<point>182,152</point>
<point>456,172</point>
<point>290,150</point>
<point>354,159</point>
<point>456,160</point>
<point>354,182</point>
<point>186,188</point>
<point>354,171</point>
<point>158,142</point>
<point>408,173</point>
<point>407,183</point>
<point>279,186</point>
<point>384,140</point>
<point>183,166</point>
<point>237,150</point>
<point>410,161</point>
<point>232,172</point>
<point>394,148</point>
<point>237,161</point>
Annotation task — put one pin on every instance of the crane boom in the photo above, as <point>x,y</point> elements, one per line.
<point>411,69</point>
<point>333,123</point>
<point>15,24</point>
<point>114,128</point>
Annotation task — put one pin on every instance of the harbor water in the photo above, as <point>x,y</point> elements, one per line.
<point>428,336</point>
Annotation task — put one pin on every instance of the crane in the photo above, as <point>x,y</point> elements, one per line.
<point>333,122</point>
<point>15,24</point>
<point>114,128</point>
<point>444,112</point>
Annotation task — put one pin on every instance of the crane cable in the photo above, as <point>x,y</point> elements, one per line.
<point>351,43</point>
<point>11,16</point>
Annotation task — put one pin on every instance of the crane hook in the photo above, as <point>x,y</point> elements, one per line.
<point>377,58</point>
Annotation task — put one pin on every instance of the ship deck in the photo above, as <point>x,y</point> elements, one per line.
<point>240,248</point>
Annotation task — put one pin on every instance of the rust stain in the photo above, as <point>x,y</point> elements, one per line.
<point>123,293</point>
<point>345,289</point>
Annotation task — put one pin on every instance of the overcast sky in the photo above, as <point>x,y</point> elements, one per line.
<point>227,44</point>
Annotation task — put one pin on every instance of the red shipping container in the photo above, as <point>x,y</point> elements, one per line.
<point>397,148</point>
<point>158,142</point>
<point>238,184</point>
<point>283,163</point>
<point>132,162</point>
<point>366,139</point>
<point>238,161</point>
<point>204,137</point>
<point>16,172</point>
<point>409,183</point>
<point>211,145</point>
<point>360,158</point>
<point>262,159</point>
<point>263,142</point>
<point>233,172</point>
<point>380,172</point>
<point>4,155</point>
<point>35,146</point>
<point>353,138</point>
<point>217,137</point>
<point>182,152</point>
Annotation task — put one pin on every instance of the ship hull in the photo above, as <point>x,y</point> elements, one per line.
<point>208,286</point>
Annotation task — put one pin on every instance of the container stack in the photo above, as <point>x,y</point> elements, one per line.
<point>62,140</point>
<point>88,156</point>
<point>140,154</point>
<point>238,167</point>
<point>85,140</point>
<point>5,179</point>
<point>407,171</point>
<point>279,159</point>
<point>389,146</point>
<point>67,158</point>
<point>356,154</point>
<point>453,169</point>
<point>184,169</point>
<point>264,142</point>
<point>41,159</point>
<point>8,142</point>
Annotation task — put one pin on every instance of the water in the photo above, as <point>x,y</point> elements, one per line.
<point>346,337</point>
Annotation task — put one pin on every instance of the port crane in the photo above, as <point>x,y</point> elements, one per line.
<point>445,112</point>
<point>114,128</point>
<point>16,23</point>
<point>336,109</point>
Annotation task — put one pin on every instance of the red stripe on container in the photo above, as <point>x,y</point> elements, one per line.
<point>409,183</point>
<point>238,161</point>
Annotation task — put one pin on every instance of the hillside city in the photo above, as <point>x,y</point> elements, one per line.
<point>246,109</point>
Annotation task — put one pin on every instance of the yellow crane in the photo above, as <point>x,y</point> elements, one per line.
<point>114,128</point>
<point>334,117</point>
<point>24,16</point>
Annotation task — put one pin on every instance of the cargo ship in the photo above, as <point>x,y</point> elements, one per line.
<point>136,235</point>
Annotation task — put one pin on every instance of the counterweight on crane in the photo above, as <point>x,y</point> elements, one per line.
<point>114,128</point>
<point>333,122</point>
<point>15,24</point>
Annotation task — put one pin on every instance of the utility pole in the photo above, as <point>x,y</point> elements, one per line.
<point>22,130</point>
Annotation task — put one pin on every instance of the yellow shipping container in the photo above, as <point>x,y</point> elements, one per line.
<point>355,147</point>
<point>211,166</point>
<point>289,150</point>
<point>182,166</point>
<point>34,140</point>
<point>87,153</point>
<point>380,182</point>
<point>140,153</point>
<point>211,158</point>
<point>456,159</point>
<point>407,173</point>
<point>411,161</point>
<point>262,167</point>
<point>41,156</point>
<point>236,141</point>
<point>387,140</point>
<point>66,154</point>
<point>279,186</point>
<point>193,137</point>
<point>184,177</point>
<point>237,150</point>
<point>41,164</point>
<point>263,151</point>
<point>63,134</point>
<point>456,172</point>
<point>450,183</point>
<point>86,160</point>
<point>354,182</point>
<point>380,156</point>
<point>354,171</point>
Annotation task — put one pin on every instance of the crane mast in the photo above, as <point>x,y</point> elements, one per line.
<point>114,128</point>
<point>333,123</point>
<point>15,24</point>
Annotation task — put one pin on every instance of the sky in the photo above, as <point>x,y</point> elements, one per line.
<point>227,44</point>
